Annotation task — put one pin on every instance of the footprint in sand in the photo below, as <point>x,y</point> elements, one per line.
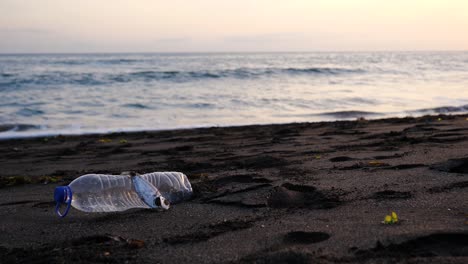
<point>452,166</point>
<point>291,195</point>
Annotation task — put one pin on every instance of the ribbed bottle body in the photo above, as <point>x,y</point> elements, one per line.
<point>174,186</point>
<point>105,193</point>
<point>113,193</point>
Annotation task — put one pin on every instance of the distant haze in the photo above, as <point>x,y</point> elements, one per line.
<point>29,26</point>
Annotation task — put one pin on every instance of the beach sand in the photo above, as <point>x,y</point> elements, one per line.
<point>292,193</point>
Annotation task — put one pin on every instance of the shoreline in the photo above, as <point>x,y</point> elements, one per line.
<point>102,132</point>
<point>24,130</point>
<point>296,192</point>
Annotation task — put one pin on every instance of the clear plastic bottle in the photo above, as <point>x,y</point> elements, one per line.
<point>173,186</point>
<point>112,193</point>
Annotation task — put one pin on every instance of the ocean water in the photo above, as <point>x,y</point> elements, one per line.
<point>96,93</point>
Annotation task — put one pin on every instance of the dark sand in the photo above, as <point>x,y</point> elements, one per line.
<point>295,193</point>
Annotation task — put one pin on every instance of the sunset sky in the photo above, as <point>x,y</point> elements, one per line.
<point>237,25</point>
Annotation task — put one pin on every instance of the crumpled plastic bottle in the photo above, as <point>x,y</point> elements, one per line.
<point>113,193</point>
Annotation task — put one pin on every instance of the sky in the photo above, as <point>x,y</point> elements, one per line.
<point>76,26</point>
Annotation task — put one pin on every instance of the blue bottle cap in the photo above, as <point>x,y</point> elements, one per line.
<point>62,194</point>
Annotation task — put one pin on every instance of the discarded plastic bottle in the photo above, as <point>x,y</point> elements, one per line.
<point>112,193</point>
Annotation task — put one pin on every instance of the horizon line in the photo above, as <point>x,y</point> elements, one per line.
<point>222,52</point>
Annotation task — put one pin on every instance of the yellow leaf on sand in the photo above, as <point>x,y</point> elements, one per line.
<point>105,140</point>
<point>377,163</point>
<point>391,219</point>
<point>394,217</point>
<point>388,219</point>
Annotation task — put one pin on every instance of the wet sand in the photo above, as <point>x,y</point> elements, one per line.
<point>293,193</point>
